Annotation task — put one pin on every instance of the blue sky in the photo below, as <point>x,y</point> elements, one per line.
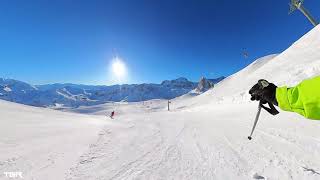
<point>48,41</point>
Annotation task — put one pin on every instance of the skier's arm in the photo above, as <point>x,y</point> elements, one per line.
<point>303,98</point>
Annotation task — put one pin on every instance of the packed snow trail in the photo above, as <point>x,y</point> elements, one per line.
<point>195,144</point>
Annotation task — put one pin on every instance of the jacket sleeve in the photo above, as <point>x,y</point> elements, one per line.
<point>303,98</point>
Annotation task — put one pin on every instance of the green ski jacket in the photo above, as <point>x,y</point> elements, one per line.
<point>303,98</point>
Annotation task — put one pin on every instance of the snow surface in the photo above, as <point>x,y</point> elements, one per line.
<point>202,137</point>
<point>43,143</point>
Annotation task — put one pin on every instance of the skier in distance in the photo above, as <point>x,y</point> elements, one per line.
<point>112,114</point>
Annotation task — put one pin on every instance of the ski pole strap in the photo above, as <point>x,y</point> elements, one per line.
<point>272,110</point>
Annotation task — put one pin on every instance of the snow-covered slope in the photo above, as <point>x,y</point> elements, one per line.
<point>43,143</point>
<point>298,62</point>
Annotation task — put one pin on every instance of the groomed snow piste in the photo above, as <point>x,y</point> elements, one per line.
<point>202,137</point>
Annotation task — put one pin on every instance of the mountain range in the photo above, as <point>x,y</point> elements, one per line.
<point>75,95</point>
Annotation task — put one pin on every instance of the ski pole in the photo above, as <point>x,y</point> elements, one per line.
<point>255,121</point>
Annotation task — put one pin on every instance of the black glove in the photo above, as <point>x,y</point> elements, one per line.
<point>264,92</point>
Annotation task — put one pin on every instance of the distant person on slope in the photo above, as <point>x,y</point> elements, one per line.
<point>112,114</point>
<point>303,98</point>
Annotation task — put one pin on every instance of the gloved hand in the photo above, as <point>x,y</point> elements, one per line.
<point>264,91</point>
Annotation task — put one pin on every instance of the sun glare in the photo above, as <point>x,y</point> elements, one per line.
<point>119,68</point>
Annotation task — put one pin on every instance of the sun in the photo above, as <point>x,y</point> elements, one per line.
<point>119,69</point>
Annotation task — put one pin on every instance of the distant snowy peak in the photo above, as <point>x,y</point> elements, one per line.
<point>206,84</point>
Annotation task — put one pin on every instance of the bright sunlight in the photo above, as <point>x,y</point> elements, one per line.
<point>119,69</point>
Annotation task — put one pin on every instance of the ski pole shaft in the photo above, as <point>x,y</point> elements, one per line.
<point>255,121</point>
